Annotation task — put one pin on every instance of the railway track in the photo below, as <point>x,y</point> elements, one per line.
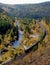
<point>29,48</point>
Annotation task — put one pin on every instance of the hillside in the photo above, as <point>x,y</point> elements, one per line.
<point>27,10</point>
<point>41,56</point>
<point>25,34</point>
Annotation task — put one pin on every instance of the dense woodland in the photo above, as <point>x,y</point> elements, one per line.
<point>27,10</point>
<point>27,16</point>
<point>8,31</point>
<point>38,55</point>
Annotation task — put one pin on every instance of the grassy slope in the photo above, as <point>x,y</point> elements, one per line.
<point>41,56</point>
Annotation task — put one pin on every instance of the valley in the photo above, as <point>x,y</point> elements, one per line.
<point>25,34</point>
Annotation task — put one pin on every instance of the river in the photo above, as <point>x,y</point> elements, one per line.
<point>17,42</point>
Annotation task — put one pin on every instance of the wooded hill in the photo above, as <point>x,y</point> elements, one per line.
<point>27,10</point>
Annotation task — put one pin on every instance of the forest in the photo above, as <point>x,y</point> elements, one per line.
<point>25,34</point>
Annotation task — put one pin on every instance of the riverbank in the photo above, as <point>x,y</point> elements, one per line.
<point>29,48</point>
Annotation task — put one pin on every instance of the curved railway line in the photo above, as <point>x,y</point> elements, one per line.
<point>29,48</point>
